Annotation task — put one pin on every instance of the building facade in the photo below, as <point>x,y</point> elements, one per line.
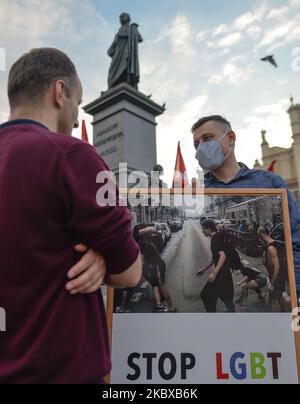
<point>287,161</point>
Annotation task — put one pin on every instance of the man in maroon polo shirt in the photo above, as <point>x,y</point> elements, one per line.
<point>55,327</point>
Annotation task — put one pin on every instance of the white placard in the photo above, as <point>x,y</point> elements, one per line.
<point>203,349</point>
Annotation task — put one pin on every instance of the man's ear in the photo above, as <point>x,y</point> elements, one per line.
<point>232,136</point>
<point>59,93</point>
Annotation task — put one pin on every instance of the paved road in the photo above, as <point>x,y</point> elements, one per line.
<point>187,252</point>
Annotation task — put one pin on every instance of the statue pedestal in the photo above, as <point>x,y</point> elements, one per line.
<point>125,128</point>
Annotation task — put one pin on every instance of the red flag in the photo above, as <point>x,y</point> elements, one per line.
<point>84,134</point>
<point>180,176</point>
<point>272,166</point>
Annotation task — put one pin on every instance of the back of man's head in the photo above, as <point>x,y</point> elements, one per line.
<point>210,225</point>
<point>33,74</point>
<point>262,232</point>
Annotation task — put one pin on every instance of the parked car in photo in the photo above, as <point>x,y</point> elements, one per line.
<point>175,226</point>
<point>180,223</point>
<point>226,223</point>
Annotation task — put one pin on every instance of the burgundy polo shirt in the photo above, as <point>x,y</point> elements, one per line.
<point>47,205</point>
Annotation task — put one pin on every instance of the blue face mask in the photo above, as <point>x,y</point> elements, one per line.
<point>210,155</point>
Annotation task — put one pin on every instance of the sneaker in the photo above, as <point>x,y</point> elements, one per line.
<point>286,296</point>
<point>160,308</point>
<point>120,309</point>
<point>172,310</point>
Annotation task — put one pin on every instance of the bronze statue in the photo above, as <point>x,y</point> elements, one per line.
<point>124,66</point>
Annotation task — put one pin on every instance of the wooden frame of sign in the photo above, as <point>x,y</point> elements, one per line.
<point>227,192</point>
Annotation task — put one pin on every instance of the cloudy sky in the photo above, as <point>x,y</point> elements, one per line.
<point>198,56</point>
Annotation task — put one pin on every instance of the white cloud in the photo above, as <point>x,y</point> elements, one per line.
<point>236,75</point>
<point>69,25</point>
<point>278,12</point>
<point>230,40</point>
<point>244,20</point>
<point>180,36</point>
<point>222,29</point>
<point>254,31</point>
<point>233,34</point>
<point>276,34</point>
<point>294,3</point>
<point>233,73</point>
<point>216,79</point>
<point>168,60</point>
<point>226,42</point>
<point>271,117</point>
<point>200,36</point>
<point>285,26</point>
<point>283,82</point>
<point>251,17</point>
<point>175,126</point>
<point>31,20</point>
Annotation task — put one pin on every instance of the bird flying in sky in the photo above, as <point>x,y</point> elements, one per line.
<point>271,60</point>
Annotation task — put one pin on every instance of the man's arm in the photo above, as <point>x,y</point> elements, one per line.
<point>103,227</point>
<point>87,276</point>
<point>127,279</point>
<point>244,280</point>
<point>202,271</point>
<point>276,264</point>
<point>219,267</point>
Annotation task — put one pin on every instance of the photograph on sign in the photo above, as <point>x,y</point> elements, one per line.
<point>216,295</point>
<point>181,250</point>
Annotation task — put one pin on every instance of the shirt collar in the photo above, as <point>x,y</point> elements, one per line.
<point>244,171</point>
<point>22,122</point>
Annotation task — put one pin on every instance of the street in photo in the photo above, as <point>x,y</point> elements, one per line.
<point>179,244</point>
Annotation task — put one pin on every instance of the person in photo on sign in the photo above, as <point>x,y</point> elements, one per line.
<point>214,141</point>
<point>278,296</point>
<point>124,296</point>
<point>243,226</point>
<point>154,271</point>
<point>56,329</point>
<point>220,282</point>
<point>252,280</point>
